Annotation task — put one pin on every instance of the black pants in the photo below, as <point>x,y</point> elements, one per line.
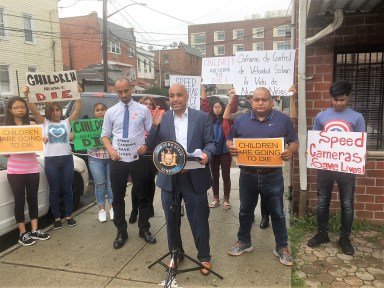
<point>119,177</point>
<point>22,184</point>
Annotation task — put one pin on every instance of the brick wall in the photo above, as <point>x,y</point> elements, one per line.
<point>357,30</point>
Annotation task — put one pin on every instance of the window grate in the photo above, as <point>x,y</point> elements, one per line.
<point>364,69</point>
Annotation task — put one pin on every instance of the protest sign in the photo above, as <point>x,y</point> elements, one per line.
<point>259,152</point>
<point>53,86</point>
<point>127,148</point>
<point>87,133</point>
<point>273,69</point>
<point>21,139</point>
<point>337,151</point>
<point>193,86</point>
<point>218,70</point>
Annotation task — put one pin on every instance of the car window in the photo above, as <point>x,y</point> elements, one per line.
<point>3,163</point>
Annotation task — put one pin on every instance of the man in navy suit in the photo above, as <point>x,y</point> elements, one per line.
<point>193,130</point>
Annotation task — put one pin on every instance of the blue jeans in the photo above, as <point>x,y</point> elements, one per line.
<point>101,177</point>
<point>346,184</point>
<point>271,188</point>
<point>59,172</point>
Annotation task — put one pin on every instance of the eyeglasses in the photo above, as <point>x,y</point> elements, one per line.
<point>19,108</point>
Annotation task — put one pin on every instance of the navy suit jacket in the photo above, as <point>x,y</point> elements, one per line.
<point>200,136</point>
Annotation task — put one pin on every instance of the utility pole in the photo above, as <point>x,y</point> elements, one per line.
<point>105,45</point>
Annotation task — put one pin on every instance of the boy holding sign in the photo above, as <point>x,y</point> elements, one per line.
<point>338,118</point>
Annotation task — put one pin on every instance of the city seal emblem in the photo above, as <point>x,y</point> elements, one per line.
<point>169,157</point>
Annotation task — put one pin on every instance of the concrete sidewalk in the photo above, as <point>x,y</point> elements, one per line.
<point>83,256</point>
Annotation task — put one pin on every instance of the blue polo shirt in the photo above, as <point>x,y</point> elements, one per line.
<point>275,125</point>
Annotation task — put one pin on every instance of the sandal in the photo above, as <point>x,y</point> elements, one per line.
<point>214,204</point>
<point>226,205</point>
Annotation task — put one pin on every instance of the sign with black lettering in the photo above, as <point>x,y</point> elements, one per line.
<point>87,133</point>
<point>21,139</point>
<point>193,86</point>
<point>53,86</point>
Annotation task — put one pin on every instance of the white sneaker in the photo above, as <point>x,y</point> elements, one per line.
<point>102,215</point>
<point>111,214</point>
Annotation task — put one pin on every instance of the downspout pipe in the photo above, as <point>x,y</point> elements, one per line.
<point>302,77</point>
<point>301,105</point>
<point>337,22</point>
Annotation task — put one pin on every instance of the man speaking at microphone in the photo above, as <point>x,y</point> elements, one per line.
<point>192,129</point>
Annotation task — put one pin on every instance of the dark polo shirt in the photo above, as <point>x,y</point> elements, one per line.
<point>275,125</point>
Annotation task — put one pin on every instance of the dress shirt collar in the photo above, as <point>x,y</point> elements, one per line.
<point>185,114</point>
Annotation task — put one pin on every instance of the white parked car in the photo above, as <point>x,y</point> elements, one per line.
<point>7,216</point>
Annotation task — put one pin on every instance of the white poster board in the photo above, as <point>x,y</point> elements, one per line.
<point>337,151</point>
<point>52,86</point>
<point>193,85</point>
<point>273,69</point>
<point>218,70</point>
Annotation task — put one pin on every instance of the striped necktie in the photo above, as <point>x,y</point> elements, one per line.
<point>126,121</point>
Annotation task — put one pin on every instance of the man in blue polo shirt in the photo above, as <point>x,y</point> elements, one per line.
<point>263,122</point>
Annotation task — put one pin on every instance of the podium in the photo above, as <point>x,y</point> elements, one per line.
<point>170,158</point>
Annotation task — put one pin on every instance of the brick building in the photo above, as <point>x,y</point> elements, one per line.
<point>353,52</point>
<point>226,38</point>
<point>81,39</point>
<point>182,60</point>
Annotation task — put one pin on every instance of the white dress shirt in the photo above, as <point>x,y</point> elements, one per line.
<point>181,128</point>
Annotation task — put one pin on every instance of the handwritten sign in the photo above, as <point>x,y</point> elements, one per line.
<point>337,151</point>
<point>218,70</point>
<point>127,148</point>
<point>259,152</point>
<point>87,133</point>
<point>273,69</point>
<point>21,139</point>
<point>51,87</point>
<point>193,85</point>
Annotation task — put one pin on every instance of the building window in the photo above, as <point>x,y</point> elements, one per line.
<point>219,36</point>
<point>258,32</point>
<point>114,47</point>
<point>198,41</point>
<point>131,51</point>
<point>365,71</point>
<point>238,48</point>
<point>31,69</point>
<point>281,45</point>
<point>5,80</point>
<point>28,29</point>
<point>145,66</point>
<point>219,50</point>
<point>259,46</point>
<point>281,31</point>
<point>2,23</point>
<point>150,63</point>
<point>166,59</point>
<point>238,34</point>
<point>139,65</point>
<point>166,79</point>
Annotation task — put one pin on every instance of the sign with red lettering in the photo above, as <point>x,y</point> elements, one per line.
<point>53,86</point>
<point>337,151</point>
<point>218,70</point>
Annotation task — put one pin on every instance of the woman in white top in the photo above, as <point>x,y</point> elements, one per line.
<point>58,158</point>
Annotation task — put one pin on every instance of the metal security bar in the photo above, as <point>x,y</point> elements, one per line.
<point>364,69</point>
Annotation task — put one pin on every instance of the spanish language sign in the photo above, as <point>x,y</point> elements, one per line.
<point>273,69</point>
<point>218,70</point>
<point>259,152</point>
<point>193,85</point>
<point>337,151</point>
<point>21,139</point>
<point>53,86</point>
<point>87,133</point>
<point>127,148</point>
